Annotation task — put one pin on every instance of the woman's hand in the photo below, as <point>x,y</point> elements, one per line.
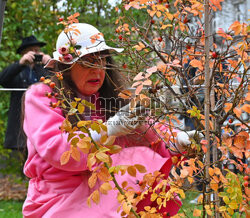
<point>126,121</point>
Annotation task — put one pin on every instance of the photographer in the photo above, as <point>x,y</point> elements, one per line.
<point>19,75</point>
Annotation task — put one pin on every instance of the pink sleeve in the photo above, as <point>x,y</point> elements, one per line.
<point>41,125</point>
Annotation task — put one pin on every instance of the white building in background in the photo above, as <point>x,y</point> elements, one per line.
<point>232,10</point>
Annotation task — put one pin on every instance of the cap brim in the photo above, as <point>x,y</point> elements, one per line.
<point>85,51</point>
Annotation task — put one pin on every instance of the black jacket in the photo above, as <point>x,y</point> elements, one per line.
<point>17,76</point>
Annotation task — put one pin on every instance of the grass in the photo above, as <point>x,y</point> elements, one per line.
<point>11,209</point>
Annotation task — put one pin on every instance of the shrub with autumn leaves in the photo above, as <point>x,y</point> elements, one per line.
<point>176,71</point>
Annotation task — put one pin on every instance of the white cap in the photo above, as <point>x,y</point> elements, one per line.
<point>85,38</point>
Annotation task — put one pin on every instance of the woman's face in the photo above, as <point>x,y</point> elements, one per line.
<point>88,74</point>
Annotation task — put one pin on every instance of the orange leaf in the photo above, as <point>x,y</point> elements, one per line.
<point>105,187</point>
<point>131,171</point>
<point>75,153</point>
<point>211,171</point>
<point>214,185</point>
<point>236,27</point>
<point>125,94</point>
<point>148,82</point>
<point>239,141</point>
<point>92,180</point>
<point>138,89</point>
<point>103,174</point>
<point>237,111</point>
<point>184,173</point>
<point>246,108</point>
<point>140,168</point>
<point>227,107</point>
<point>247,97</point>
<point>91,160</point>
<point>197,213</point>
<point>151,70</point>
<point>96,196</point>
<point>204,148</point>
<point>196,63</point>
<point>139,76</point>
<point>65,157</point>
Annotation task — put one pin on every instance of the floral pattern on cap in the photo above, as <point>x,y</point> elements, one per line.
<point>69,51</point>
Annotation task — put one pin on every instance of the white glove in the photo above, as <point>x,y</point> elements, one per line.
<point>125,121</point>
<point>183,139</point>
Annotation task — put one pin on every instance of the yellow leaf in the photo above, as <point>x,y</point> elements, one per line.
<point>140,46</point>
<point>77,99</point>
<point>83,123</point>
<point>74,141</point>
<point>65,157</point>
<point>200,199</point>
<point>91,160</point>
<point>211,171</point>
<point>89,201</point>
<point>96,196</point>
<point>73,104</point>
<point>208,210</point>
<point>222,208</point>
<point>95,126</point>
<point>75,153</point>
<point>84,146</point>
<point>102,157</point>
<point>197,213</point>
<point>115,149</point>
<point>190,180</point>
<point>230,211</point>
<point>233,206</point>
<point>165,26</point>
<point>158,13</point>
<point>110,141</point>
<point>159,201</point>
<point>80,108</point>
<point>153,197</point>
<point>126,207</point>
<point>66,126</point>
<point>92,180</point>
<point>131,171</point>
<point>226,199</point>
<point>105,187</point>
<point>140,168</point>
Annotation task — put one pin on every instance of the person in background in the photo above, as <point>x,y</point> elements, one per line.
<point>19,75</point>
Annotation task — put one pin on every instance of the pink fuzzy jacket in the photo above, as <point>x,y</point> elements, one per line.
<point>57,190</point>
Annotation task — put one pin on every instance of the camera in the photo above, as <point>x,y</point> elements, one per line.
<point>38,58</point>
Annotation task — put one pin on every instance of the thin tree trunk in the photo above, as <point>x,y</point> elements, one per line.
<point>207,96</point>
<point>2,9</point>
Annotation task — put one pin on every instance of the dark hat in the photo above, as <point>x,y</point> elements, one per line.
<point>29,41</point>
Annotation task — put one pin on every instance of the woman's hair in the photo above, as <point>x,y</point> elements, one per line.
<point>112,85</point>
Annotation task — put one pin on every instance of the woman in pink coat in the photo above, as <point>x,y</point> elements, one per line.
<point>57,190</point>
